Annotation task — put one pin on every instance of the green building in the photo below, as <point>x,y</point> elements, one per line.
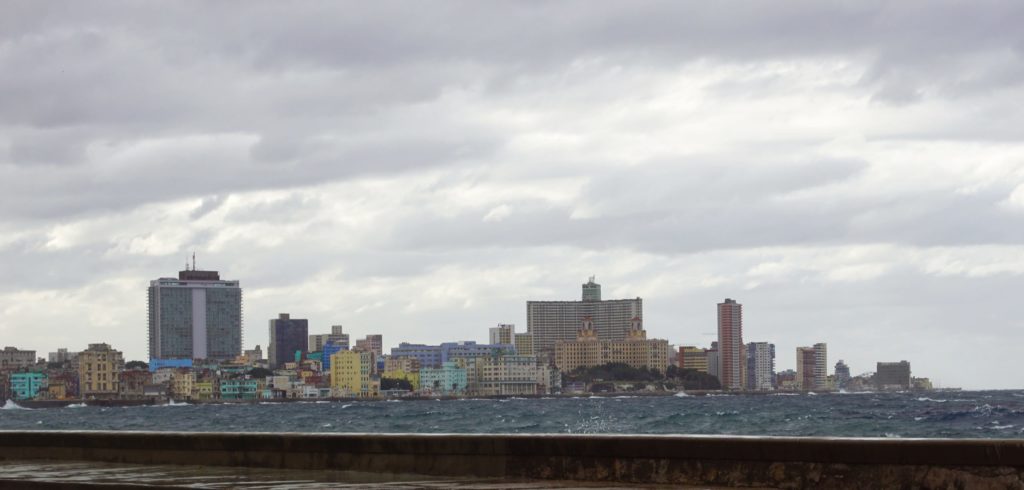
<point>26,386</point>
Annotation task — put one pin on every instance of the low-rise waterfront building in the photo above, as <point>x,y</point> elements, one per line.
<point>240,389</point>
<point>67,378</point>
<point>27,385</point>
<point>353,373</point>
<point>13,358</point>
<point>413,377</point>
<point>99,369</point>
<point>893,376</point>
<point>449,379</point>
<point>503,375</point>
<point>549,379</point>
<point>155,390</point>
<point>163,376</point>
<point>133,383</point>
<point>58,391</point>
<point>786,380</point>
<point>207,389</point>
<point>182,384</point>
<point>693,357</point>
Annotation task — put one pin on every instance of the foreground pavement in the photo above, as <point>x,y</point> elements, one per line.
<point>47,474</point>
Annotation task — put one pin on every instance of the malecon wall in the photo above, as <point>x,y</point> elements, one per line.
<point>694,460</point>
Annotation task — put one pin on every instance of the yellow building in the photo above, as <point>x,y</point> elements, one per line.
<point>636,350</point>
<point>182,382</point>
<point>57,391</point>
<point>524,344</point>
<point>353,374</point>
<point>693,357</point>
<point>204,390</point>
<point>99,367</point>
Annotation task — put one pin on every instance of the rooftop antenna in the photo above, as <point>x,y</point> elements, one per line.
<point>194,260</point>
<point>186,262</point>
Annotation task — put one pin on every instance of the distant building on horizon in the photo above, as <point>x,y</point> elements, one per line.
<point>713,364</point>
<point>812,367</point>
<point>434,356</point>
<point>504,333</point>
<point>371,343</point>
<point>61,356</point>
<point>196,316</point>
<point>731,360</point>
<point>12,358</point>
<point>760,366</point>
<point>591,290</point>
<point>553,321</point>
<point>254,355</point>
<point>524,344</point>
<point>786,380</point>
<point>893,376</point>
<point>287,336</point>
<point>337,336</point>
<point>693,357</point>
<point>842,374</point>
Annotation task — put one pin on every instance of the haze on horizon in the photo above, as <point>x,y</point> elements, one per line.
<point>852,172</point>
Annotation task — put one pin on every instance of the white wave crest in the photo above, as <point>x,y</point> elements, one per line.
<point>10,405</point>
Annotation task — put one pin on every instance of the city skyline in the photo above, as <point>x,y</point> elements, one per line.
<point>590,294</point>
<point>852,172</point>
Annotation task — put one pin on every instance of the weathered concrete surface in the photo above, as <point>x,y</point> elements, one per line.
<point>689,460</point>
<point>89,475</point>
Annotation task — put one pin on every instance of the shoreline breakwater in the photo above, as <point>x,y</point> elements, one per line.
<point>639,459</point>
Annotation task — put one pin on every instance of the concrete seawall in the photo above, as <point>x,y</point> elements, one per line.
<point>692,460</point>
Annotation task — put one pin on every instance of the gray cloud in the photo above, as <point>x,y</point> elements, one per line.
<point>846,169</point>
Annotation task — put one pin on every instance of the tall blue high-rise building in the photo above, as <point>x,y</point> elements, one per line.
<point>195,316</point>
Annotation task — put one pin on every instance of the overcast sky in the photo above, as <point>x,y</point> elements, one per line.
<point>851,172</point>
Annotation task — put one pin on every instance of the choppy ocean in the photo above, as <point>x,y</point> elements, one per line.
<point>978,414</point>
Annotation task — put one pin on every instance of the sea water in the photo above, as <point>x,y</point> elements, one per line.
<point>985,414</point>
